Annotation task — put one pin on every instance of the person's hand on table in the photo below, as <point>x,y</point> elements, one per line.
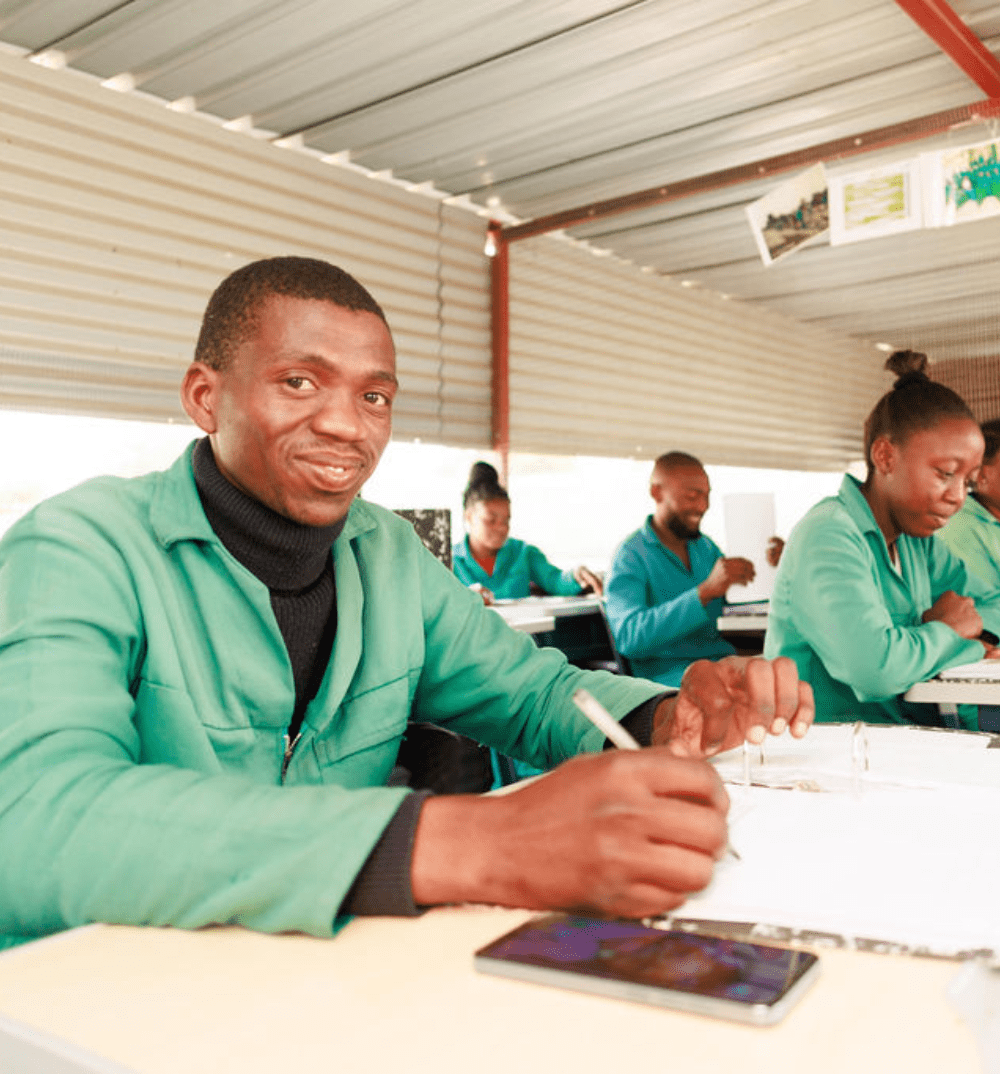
<point>958,612</point>
<point>775,546</point>
<point>620,832</point>
<point>723,703</point>
<point>485,593</point>
<point>586,578</point>
<point>732,570</point>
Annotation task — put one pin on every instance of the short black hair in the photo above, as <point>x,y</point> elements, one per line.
<point>483,486</point>
<point>676,460</point>
<point>914,403</point>
<point>231,314</point>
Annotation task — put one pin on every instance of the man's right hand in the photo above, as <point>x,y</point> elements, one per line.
<point>731,570</point>
<point>958,612</point>
<point>620,832</point>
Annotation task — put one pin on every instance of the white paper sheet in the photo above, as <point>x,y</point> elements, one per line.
<point>903,853</point>
<point>749,526</point>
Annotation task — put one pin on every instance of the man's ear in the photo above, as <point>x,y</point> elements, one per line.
<point>656,491</point>
<point>200,395</point>
<point>883,455</point>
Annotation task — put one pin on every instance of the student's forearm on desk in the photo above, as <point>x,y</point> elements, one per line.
<point>382,887</point>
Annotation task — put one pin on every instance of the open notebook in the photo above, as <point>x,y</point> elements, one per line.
<point>902,855</point>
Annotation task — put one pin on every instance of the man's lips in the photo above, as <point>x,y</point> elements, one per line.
<point>333,473</point>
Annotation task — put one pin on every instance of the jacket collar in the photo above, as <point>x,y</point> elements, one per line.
<point>176,513</point>
<point>851,496</point>
<point>973,507</point>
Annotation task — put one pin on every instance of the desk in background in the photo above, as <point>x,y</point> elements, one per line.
<point>744,627</point>
<point>575,625</point>
<point>401,994</point>
<point>961,686</point>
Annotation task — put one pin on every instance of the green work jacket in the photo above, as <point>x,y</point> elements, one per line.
<point>852,622</point>
<point>145,692</point>
<point>973,534</point>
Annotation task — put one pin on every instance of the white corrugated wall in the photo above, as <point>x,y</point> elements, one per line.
<point>608,360</point>
<point>118,217</point>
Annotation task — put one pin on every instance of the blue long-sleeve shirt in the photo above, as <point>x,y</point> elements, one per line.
<point>517,566</point>
<point>652,603</point>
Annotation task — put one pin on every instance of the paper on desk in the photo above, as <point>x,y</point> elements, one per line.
<point>919,868</point>
<point>749,526</point>
<point>978,670</point>
<point>898,851</point>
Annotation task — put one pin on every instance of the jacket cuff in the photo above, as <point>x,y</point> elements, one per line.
<point>639,722</point>
<point>382,886</point>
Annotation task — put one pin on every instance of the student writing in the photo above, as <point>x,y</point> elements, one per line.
<point>497,565</point>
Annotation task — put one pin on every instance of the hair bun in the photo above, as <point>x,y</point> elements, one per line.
<point>909,366</point>
<point>484,475</point>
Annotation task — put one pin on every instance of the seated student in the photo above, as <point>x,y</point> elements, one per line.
<point>206,673</point>
<point>501,567</point>
<point>667,581</point>
<point>866,602</point>
<point>973,533</point>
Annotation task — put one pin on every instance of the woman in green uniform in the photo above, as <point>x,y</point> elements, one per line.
<point>499,566</point>
<point>866,602</point>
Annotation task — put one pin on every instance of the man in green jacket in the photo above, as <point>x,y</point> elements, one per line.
<point>205,675</point>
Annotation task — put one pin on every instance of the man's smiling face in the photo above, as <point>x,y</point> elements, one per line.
<point>301,415</point>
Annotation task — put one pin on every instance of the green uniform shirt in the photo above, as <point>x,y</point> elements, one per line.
<point>852,622</point>
<point>145,692</point>
<point>973,534</point>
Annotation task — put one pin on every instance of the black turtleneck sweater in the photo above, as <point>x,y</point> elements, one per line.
<point>293,560</point>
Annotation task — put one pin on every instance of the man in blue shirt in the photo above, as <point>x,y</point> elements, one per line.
<point>667,580</point>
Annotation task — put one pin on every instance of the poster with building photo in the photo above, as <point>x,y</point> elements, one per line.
<point>876,202</point>
<point>791,215</point>
<point>962,184</point>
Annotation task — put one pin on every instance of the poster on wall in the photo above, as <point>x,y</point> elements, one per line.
<point>875,202</point>
<point>791,215</point>
<point>963,185</point>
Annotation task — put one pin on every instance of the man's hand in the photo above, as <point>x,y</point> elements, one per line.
<point>775,546</point>
<point>627,833</point>
<point>958,612</point>
<point>585,577</point>
<point>722,704</point>
<point>725,572</point>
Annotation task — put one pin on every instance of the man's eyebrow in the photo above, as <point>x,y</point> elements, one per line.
<point>324,363</point>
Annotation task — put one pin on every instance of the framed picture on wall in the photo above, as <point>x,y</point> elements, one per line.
<point>963,185</point>
<point>875,202</point>
<point>790,215</point>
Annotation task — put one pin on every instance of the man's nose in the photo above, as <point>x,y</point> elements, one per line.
<point>338,414</point>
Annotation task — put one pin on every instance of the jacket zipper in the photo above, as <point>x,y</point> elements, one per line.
<point>290,744</point>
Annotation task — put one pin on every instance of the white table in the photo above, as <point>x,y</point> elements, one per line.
<point>949,691</point>
<point>538,615</point>
<point>401,994</point>
<point>742,624</point>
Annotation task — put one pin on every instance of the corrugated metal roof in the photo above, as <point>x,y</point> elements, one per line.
<point>529,107</point>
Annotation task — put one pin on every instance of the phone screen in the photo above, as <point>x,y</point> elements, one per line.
<point>636,954</point>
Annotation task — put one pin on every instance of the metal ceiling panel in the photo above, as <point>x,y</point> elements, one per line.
<point>530,107</point>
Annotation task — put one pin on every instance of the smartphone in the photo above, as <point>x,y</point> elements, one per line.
<point>745,982</point>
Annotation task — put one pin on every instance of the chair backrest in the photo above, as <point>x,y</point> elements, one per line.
<point>433,526</point>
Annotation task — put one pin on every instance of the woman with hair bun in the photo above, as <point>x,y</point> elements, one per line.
<point>866,602</point>
<point>502,567</point>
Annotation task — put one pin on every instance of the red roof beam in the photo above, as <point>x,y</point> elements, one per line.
<point>956,41</point>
